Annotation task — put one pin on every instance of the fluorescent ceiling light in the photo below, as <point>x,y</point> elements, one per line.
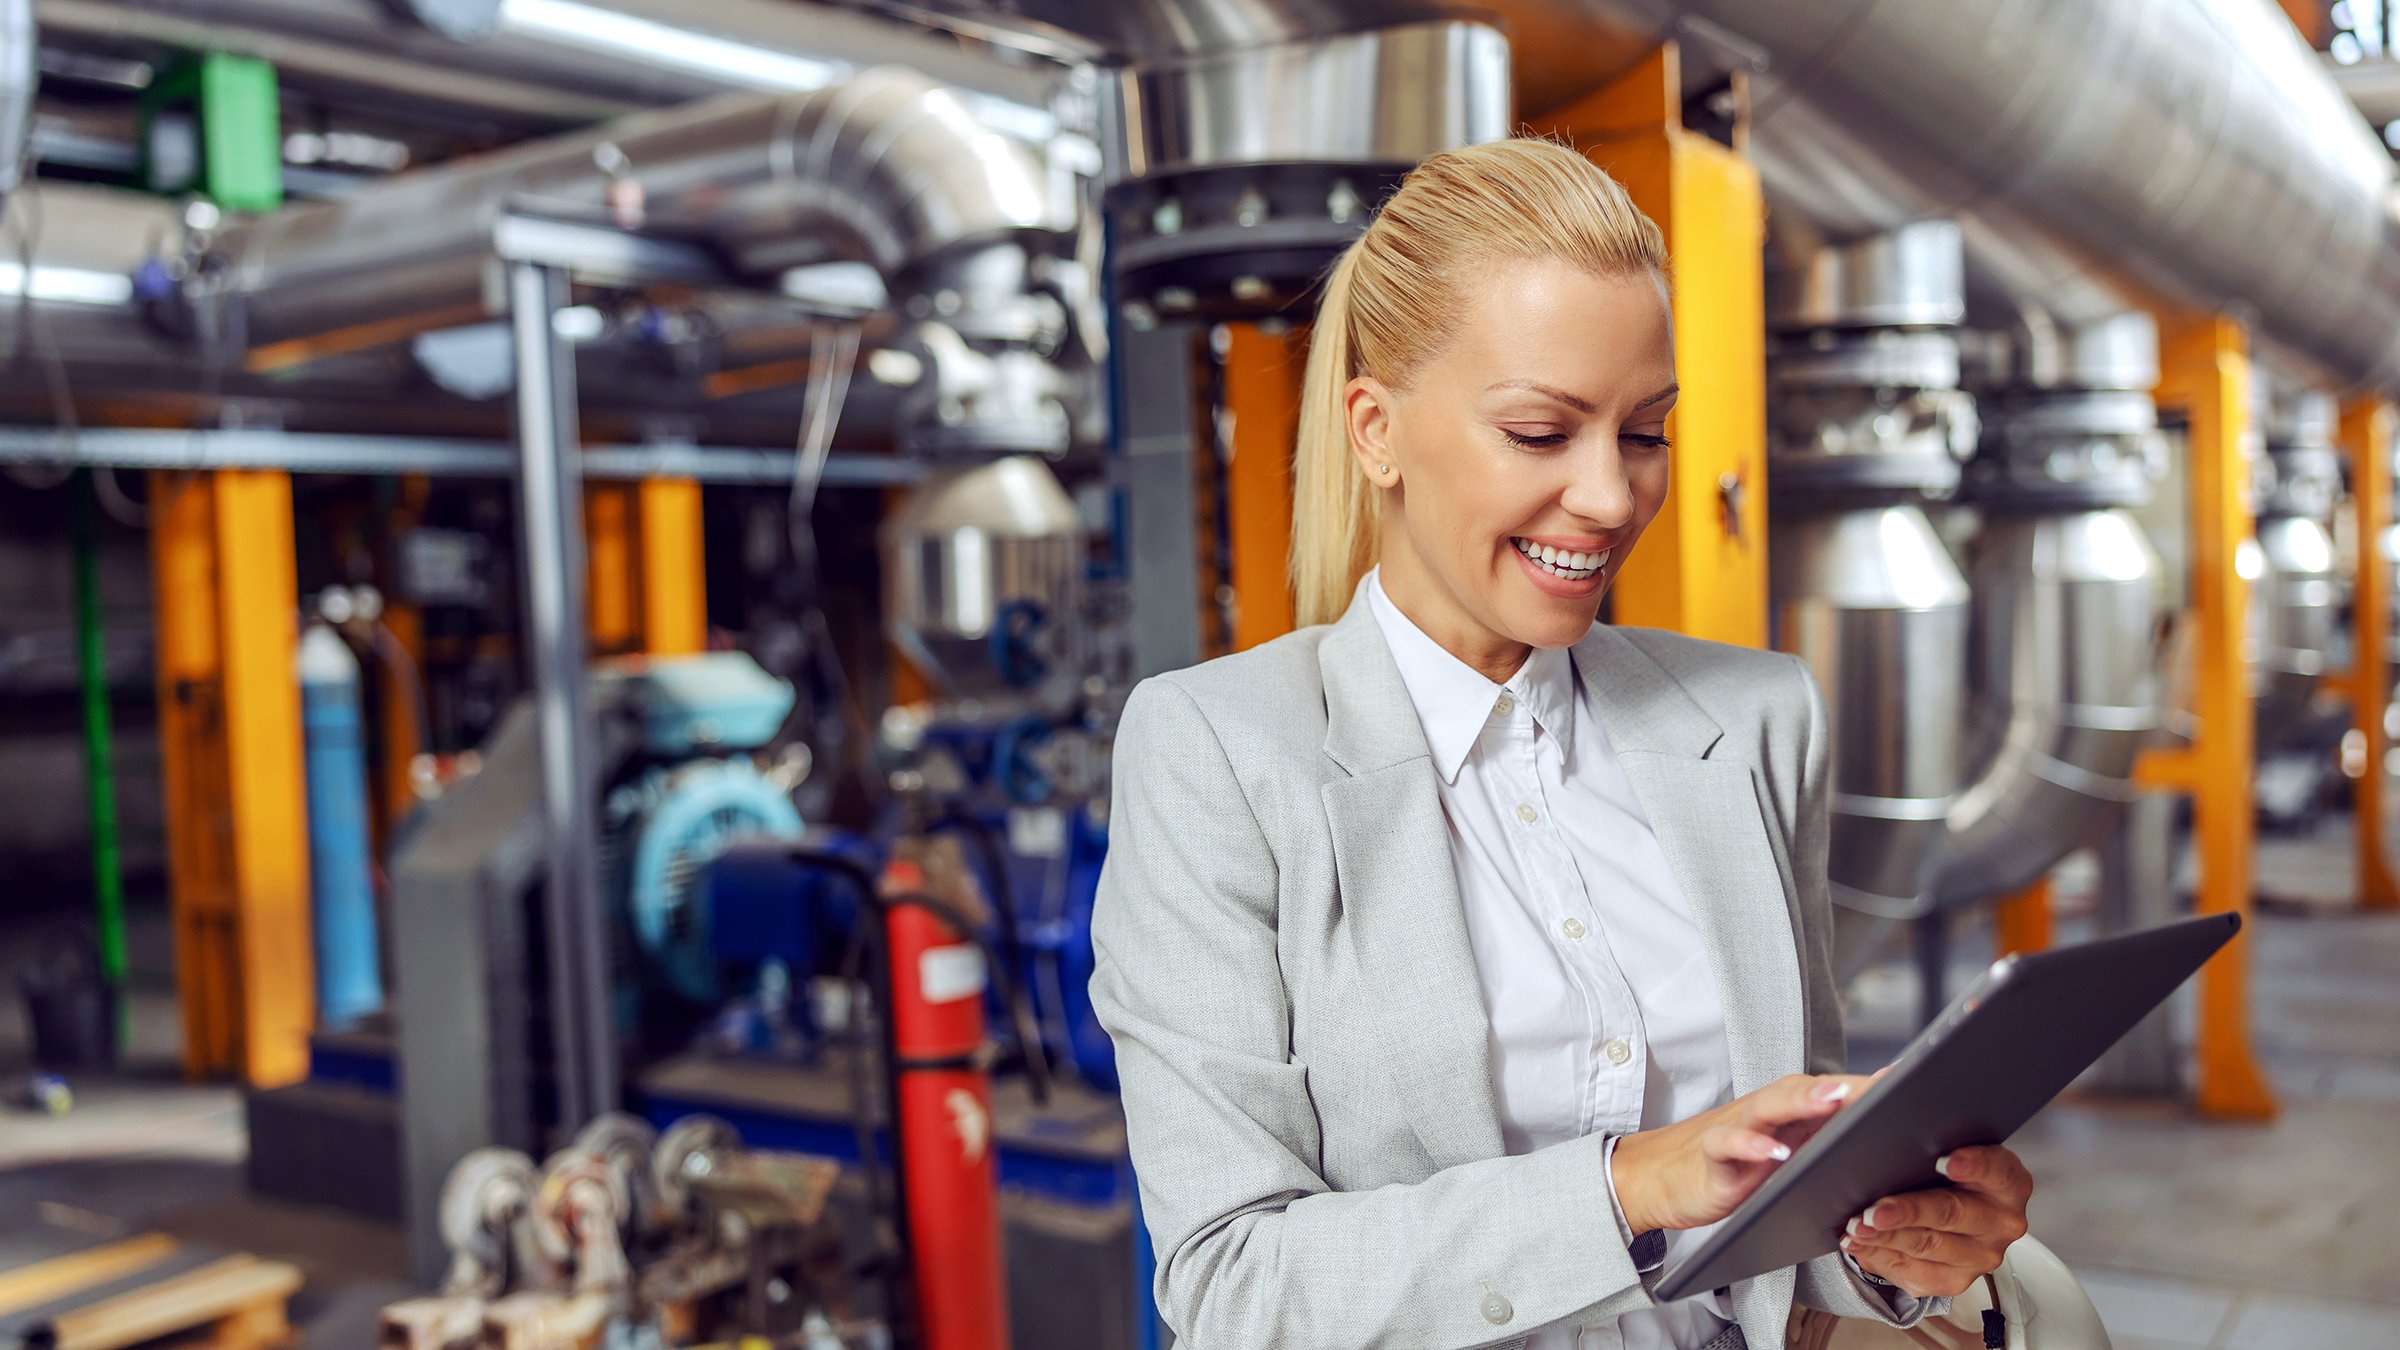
<point>69,285</point>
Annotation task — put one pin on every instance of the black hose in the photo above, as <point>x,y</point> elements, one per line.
<point>887,1195</point>
<point>1012,949</point>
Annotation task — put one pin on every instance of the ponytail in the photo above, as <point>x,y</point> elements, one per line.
<point>1336,513</point>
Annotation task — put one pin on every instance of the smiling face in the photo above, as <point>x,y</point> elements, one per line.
<point>1524,459</point>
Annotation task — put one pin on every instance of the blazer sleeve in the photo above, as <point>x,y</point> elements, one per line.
<point>1254,1248</point>
<point>1830,1282</point>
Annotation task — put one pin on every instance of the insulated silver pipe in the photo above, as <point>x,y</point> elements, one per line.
<point>556,63</point>
<point>887,169</point>
<point>20,75</point>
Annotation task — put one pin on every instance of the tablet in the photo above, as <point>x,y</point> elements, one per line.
<point>1997,1055</point>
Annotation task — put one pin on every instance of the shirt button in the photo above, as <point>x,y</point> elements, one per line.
<point>1496,1310</point>
<point>1573,928</point>
<point>1617,1051</point>
<point>1504,707</point>
<point>1525,813</point>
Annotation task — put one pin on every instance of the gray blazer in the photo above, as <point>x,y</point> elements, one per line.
<point>1283,963</point>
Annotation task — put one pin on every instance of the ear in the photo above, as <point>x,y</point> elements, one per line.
<point>1367,407</point>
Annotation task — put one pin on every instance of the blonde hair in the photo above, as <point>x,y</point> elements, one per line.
<point>1390,300</point>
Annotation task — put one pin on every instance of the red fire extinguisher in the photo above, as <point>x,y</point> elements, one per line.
<point>946,1151</point>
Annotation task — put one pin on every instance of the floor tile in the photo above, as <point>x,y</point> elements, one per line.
<point>2179,1311</point>
<point>2270,1323</point>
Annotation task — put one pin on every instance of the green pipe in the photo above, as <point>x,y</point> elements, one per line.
<point>108,883</point>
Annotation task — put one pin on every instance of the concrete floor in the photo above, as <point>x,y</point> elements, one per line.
<point>2189,1235</point>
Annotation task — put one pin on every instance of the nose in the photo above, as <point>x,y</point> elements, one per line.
<point>1600,491</point>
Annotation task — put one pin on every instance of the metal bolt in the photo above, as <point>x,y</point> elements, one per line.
<point>1251,208</point>
<point>1250,288</point>
<point>1176,297</point>
<point>945,302</point>
<point>1729,497</point>
<point>1342,203</point>
<point>1167,217</point>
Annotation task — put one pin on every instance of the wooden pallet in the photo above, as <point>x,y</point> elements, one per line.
<point>147,1290</point>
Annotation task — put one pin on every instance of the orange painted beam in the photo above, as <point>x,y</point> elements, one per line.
<point>674,580</point>
<point>222,562</point>
<point>1702,565</point>
<point>2024,922</point>
<point>1262,392</point>
<point>191,746</point>
<point>2204,371</point>
<point>2310,17</point>
<point>2367,427</point>
<point>610,584</point>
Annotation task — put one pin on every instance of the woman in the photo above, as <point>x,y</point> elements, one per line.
<point>1464,958</point>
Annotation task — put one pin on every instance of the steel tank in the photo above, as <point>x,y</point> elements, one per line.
<point>2297,629</point>
<point>980,566</point>
<point>1866,422</point>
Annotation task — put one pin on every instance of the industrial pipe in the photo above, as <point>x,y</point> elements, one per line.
<point>968,227</point>
<point>20,76</point>
<point>551,64</point>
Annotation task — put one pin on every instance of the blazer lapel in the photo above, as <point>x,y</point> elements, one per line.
<point>1401,906</point>
<point>1713,824</point>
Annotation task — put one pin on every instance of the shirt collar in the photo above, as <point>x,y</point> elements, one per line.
<point>1454,701</point>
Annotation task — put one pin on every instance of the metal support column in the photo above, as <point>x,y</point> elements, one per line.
<point>229,742</point>
<point>611,544</point>
<point>674,569</point>
<point>2204,375</point>
<point>2022,922</point>
<point>2137,891</point>
<point>1162,541</point>
<point>1702,565</point>
<point>2366,438</point>
<point>1263,377</point>
<point>550,529</point>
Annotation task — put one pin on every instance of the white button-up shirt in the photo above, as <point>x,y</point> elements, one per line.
<point>1604,1014</point>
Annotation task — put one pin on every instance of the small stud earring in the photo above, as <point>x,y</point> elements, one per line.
<point>1383,468</point>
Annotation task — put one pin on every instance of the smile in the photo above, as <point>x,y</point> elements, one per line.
<point>1561,563</point>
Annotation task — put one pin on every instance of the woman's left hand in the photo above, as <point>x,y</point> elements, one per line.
<point>1940,1241</point>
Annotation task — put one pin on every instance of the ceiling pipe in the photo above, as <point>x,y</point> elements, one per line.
<point>551,64</point>
<point>19,76</point>
<point>970,230</point>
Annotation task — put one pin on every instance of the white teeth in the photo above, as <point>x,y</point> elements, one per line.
<point>1565,563</point>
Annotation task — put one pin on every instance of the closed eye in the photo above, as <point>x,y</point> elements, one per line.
<point>1524,442</point>
<point>1647,440</point>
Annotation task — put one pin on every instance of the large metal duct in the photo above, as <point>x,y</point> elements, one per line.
<point>1866,421</point>
<point>2296,609</point>
<point>967,226</point>
<point>2195,148</point>
<point>2064,637</point>
<point>556,63</point>
<point>19,76</point>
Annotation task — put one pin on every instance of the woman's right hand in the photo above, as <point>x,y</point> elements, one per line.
<point>1696,1171</point>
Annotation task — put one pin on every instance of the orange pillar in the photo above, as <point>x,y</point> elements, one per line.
<point>2024,922</point>
<point>2204,371</point>
<point>1701,567</point>
<point>610,586</point>
<point>2366,437</point>
<point>231,753</point>
<point>674,589</point>
<point>1263,377</point>
<point>397,716</point>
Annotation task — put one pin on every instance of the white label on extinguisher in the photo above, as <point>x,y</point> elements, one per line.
<point>950,973</point>
<point>973,1126</point>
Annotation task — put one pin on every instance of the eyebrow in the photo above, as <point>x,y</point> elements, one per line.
<point>1582,405</point>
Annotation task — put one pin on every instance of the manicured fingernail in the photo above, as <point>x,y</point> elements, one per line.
<point>1833,1092</point>
<point>1780,1152</point>
<point>1942,1165</point>
<point>1847,1244</point>
<point>1872,1216</point>
<point>1852,1230</point>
